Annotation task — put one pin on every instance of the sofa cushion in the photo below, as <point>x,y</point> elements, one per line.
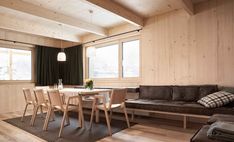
<point>201,135</point>
<point>205,90</point>
<point>228,89</point>
<point>185,93</point>
<point>216,99</point>
<point>220,117</point>
<point>176,107</point>
<point>155,92</point>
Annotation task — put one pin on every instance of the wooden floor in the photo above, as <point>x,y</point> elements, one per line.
<point>137,133</point>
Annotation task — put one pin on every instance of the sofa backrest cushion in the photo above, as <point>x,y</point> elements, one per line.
<point>206,90</point>
<point>227,89</point>
<point>185,93</point>
<point>155,92</point>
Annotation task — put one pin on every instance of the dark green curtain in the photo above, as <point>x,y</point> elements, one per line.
<point>47,66</point>
<point>49,70</point>
<point>73,67</point>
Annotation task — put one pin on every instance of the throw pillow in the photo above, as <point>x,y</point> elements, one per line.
<point>216,99</point>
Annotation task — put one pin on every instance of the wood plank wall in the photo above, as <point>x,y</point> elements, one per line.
<point>182,49</point>
<point>11,97</point>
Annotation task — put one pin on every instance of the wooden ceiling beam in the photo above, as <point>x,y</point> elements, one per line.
<point>16,24</point>
<point>39,11</point>
<point>188,6</point>
<point>120,11</point>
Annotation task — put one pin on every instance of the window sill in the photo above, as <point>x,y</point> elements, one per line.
<point>16,82</point>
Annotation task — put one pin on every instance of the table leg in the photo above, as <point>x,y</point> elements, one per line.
<point>97,115</point>
<point>81,114</point>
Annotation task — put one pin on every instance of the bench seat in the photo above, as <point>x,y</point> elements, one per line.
<point>176,107</point>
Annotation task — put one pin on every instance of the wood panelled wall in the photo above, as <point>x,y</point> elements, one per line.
<point>182,49</point>
<point>12,98</point>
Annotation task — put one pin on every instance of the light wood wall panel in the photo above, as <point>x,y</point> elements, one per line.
<point>182,49</point>
<point>11,96</point>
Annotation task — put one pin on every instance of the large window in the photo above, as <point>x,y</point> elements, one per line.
<point>119,60</point>
<point>15,64</point>
<point>131,58</point>
<point>104,63</point>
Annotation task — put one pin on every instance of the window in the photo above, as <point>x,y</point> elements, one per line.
<point>15,64</point>
<point>121,60</point>
<point>131,59</point>
<point>104,64</point>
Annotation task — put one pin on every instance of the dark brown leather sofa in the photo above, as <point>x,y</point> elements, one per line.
<point>177,100</point>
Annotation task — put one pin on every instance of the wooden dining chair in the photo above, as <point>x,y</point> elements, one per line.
<point>56,102</point>
<point>40,102</point>
<point>28,99</point>
<point>117,100</point>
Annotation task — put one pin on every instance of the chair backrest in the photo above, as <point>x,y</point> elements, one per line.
<point>39,96</point>
<point>44,88</point>
<point>118,96</point>
<point>55,98</point>
<point>27,95</point>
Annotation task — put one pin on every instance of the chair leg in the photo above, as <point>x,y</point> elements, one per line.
<point>126,115</point>
<point>108,122</point>
<point>52,116</point>
<point>34,115</point>
<point>45,127</point>
<point>97,115</point>
<point>25,109</point>
<point>41,109</point>
<point>62,123</point>
<point>92,113</point>
<point>110,115</point>
<point>67,119</point>
<point>133,113</point>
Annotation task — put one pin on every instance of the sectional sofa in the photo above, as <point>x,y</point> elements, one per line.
<point>176,100</point>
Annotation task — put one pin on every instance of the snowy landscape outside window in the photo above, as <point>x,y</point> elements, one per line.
<point>15,64</point>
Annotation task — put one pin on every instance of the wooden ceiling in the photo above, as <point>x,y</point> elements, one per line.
<point>71,19</point>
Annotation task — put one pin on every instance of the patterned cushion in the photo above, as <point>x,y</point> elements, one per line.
<point>216,99</point>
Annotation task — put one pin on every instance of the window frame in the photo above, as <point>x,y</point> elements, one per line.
<point>21,47</point>
<point>100,46</point>
<point>120,77</point>
<point>122,73</point>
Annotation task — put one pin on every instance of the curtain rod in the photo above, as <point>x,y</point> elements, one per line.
<point>16,41</point>
<point>83,43</point>
<point>112,36</point>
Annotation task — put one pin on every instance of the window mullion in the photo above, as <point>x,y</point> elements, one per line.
<point>10,64</point>
<point>120,60</point>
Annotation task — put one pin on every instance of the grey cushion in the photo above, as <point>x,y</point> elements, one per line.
<point>228,89</point>
<point>185,93</point>
<point>205,90</point>
<point>155,92</point>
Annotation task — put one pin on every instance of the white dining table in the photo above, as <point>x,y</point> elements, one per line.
<point>82,93</point>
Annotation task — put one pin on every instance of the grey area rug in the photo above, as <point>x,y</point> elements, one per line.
<point>71,133</point>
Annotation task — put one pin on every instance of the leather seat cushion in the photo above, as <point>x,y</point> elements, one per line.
<point>176,107</point>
